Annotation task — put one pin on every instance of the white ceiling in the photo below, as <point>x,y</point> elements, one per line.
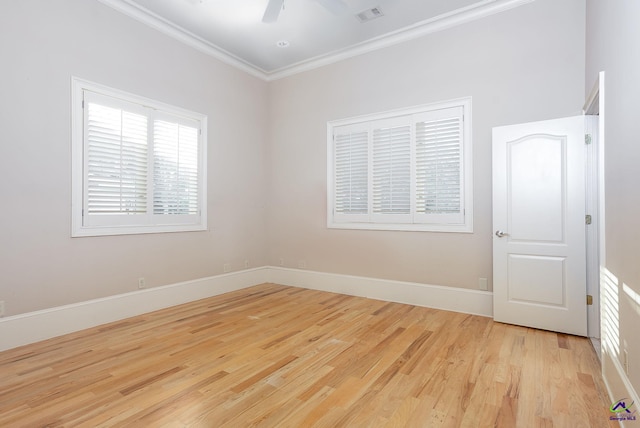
<point>232,30</point>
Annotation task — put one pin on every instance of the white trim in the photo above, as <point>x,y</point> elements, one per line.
<point>597,347</point>
<point>591,231</point>
<point>618,384</point>
<point>148,223</point>
<point>35,326</point>
<point>412,221</point>
<point>594,105</point>
<point>455,299</point>
<point>465,102</point>
<point>454,18</point>
<point>602,253</point>
<point>176,32</point>
<point>439,23</point>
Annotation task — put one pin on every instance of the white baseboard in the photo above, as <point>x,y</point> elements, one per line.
<point>618,384</point>
<point>40,325</point>
<point>455,299</point>
<point>35,326</point>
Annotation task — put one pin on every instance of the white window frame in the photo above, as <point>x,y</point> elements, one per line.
<point>122,224</point>
<point>413,221</point>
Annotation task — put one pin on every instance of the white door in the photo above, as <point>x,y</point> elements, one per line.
<point>539,268</point>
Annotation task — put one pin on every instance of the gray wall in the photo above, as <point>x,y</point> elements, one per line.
<point>42,44</point>
<point>267,145</point>
<point>522,65</point>
<point>613,37</point>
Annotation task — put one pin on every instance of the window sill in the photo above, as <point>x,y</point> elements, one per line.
<point>450,228</point>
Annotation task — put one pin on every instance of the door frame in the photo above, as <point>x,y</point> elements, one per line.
<point>595,198</point>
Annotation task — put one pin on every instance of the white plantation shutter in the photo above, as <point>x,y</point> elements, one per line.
<point>351,195</point>
<point>116,158</point>
<point>175,168</point>
<point>404,170</point>
<point>138,165</point>
<point>439,167</point>
<point>391,169</point>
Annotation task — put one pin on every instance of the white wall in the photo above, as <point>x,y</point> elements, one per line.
<point>42,44</point>
<point>613,35</point>
<point>267,148</point>
<point>522,65</point>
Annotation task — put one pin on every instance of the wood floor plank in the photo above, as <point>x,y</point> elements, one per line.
<point>276,356</point>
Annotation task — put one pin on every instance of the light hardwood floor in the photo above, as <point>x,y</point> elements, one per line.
<point>278,356</point>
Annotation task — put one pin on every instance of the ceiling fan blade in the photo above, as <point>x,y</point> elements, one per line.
<point>273,11</point>
<point>337,7</point>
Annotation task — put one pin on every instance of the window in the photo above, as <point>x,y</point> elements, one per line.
<point>138,165</point>
<point>403,170</point>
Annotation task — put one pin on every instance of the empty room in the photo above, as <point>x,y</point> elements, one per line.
<point>331,213</point>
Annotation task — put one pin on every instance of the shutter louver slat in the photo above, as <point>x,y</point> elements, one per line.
<point>391,170</point>
<point>175,157</point>
<point>116,161</point>
<point>413,170</point>
<point>438,166</point>
<point>351,173</point>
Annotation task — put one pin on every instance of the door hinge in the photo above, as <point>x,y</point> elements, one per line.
<point>587,219</point>
<point>589,300</point>
<point>587,138</point>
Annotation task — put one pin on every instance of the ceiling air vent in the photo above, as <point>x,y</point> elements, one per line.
<point>369,14</point>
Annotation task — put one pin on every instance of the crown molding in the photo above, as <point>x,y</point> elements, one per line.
<point>167,27</point>
<point>438,23</point>
<point>422,28</point>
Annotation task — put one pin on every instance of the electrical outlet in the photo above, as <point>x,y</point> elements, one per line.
<point>483,284</point>
<point>246,264</point>
<point>302,264</point>
<point>1,308</point>
<point>226,267</point>
<point>142,283</point>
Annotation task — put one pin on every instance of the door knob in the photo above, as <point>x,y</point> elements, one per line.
<point>500,233</point>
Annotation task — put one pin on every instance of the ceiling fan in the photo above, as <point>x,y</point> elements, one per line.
<point>274,7</point>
